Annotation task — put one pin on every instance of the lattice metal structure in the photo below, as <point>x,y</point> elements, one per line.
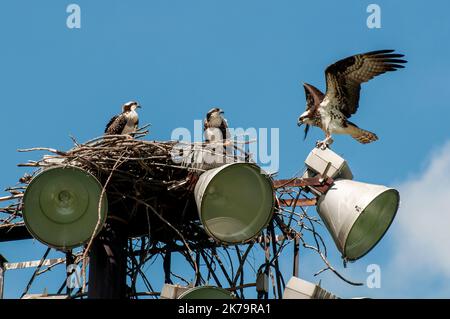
<point>152,196</point>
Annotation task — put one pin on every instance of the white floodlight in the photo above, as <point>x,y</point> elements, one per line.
<point>173,291</point>
<point>356,214</point>
<point>297,288</point>
<point>44,296</point>
<point>326,162</point>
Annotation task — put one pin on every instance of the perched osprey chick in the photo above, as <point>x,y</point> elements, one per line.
<point>126,122</point>
<point>331,111</point>
<point>215,126</point>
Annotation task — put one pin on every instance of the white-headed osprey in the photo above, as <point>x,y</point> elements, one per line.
<point>125,122</point>
<point>215,126</point>
<point>331,111</point>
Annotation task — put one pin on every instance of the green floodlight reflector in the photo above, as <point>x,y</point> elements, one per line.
<point>357,215</point>
<point>235,202</point>
<point>60,207</point>
<point>206,292</point>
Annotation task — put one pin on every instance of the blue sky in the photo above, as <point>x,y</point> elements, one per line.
<point>179,58</point>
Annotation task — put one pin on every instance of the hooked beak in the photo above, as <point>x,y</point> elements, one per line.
<point>299,122</point>
<point>139,106</point>
<point>221,112</point>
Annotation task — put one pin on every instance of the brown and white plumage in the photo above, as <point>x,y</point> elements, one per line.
<point>126,122</point>
<point>215,126</point>
<point>331,111</point>
<point>313,99</point>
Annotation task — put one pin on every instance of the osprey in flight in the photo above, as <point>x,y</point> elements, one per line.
<point>125,122</point>
<point>215,126</point>
<point>331,111</point>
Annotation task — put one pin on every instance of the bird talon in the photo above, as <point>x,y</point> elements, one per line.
<point>323,145</point>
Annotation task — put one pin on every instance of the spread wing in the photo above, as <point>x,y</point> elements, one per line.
<point>344,77</point>
<point>313,96</point>
<point>116,125</point>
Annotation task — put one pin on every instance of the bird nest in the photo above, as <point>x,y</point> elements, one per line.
<point>150,187</point>
<point>149,184</point>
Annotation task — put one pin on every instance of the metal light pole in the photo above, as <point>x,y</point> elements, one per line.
<point>2,274</point>
<point>108,262</point>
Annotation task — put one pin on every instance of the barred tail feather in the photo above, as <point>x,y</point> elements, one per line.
<point>364,136</point>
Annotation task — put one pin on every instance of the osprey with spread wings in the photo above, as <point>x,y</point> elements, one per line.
<point>331,111</point>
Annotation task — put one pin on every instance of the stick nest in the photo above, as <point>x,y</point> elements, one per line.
<point>149,184</point>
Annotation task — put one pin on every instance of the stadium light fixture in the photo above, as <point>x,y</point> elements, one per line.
<point>356,214</point>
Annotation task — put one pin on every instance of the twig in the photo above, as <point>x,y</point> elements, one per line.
<point>97,226</point>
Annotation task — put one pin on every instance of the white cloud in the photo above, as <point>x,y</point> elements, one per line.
<point>415,258</point>
<point>421,235</point>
